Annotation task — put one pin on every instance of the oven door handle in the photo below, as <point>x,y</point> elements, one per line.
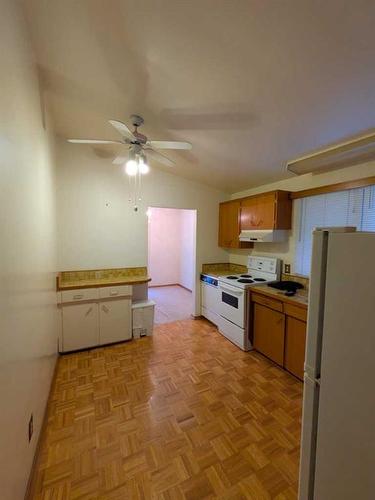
<point>230,290</point>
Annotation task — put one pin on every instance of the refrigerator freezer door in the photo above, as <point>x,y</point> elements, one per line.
<point>308,438</point>
<point>345,447</point>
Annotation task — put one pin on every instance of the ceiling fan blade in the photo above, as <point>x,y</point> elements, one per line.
<point>119,160</point>
<point>92,141</point>
<point>122,129</point>
<point>169,144</point>
<point>159,157</point>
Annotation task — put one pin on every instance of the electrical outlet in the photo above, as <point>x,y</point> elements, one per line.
<point>287,268</point>
<point>31,427</point>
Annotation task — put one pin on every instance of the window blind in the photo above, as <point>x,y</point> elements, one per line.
<point>354,207</point>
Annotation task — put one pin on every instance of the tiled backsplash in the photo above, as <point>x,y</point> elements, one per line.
<point>95,274</point>
<point>224,267</point>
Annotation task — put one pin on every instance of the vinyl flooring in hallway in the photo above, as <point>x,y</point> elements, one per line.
<point>180,415</point>
<point>173,303</point>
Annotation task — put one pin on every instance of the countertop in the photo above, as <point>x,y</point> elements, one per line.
<point>299,299</point>
<point>74,280</point>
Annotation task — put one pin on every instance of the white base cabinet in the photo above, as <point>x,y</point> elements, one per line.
<point>115,321</point>
<point>80,325</point>
<point>93,317</point>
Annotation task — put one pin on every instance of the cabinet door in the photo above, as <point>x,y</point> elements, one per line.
<point>115,321</point>
<point>80,326</point>
<point>266,211</point>
<point>249,214</point>
<point>269,333</point>
<point>229,224</point>
<point>295,342</point>
<point>258,212</point>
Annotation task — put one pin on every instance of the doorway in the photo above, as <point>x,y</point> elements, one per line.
<point>171,262</point>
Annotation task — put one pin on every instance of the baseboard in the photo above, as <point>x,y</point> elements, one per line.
<point>161,286</point>
<point>30,493</point>
<point>171,284</point>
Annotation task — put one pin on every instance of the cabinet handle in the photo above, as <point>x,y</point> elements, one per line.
<point>281,320</point>
<point>105,308</point>
<point>113,293</point>
<point>76,297</point>
<point>88,312</point>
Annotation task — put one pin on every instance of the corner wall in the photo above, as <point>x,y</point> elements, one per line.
<point>285,251</point>
<point>28,313</point>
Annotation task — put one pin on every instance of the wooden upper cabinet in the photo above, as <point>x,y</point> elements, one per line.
<point>266,211</point>
<point>263,211</point>
<point>229,225</point>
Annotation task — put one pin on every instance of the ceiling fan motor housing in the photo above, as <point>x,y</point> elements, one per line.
<point>141,139</point>
<point>137,120</point>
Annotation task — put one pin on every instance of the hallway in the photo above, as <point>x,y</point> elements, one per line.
<point>173,303</point>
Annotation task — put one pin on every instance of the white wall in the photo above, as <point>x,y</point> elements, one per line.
<point>28,313</point>
<point>286,250</point>
<point>171,246</point>
<point>97,227</point>
<point>164,246</point>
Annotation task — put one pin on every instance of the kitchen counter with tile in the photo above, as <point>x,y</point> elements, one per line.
<point>299,299</point>
<point>74,280</point>
<point>222,269</point>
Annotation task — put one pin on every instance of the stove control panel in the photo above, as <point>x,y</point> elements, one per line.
<point>265,264</point>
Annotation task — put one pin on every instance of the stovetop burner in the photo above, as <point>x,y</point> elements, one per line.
<point>259,279</point>
<point>231,277</point>
<point>245,276</point>
<point>245,280</point>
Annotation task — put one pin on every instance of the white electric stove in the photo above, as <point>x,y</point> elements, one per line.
<point>233,304</point>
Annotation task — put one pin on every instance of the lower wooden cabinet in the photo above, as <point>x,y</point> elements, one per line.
<point>269,326</point>
<point>279,332</point>
<point>295,342</point>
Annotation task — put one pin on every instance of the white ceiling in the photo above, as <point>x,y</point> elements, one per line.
<point>250,83</point>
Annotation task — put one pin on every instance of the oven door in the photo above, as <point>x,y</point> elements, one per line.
<point>231,304</point>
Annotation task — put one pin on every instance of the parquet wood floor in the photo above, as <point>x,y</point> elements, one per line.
<point>182,415</point>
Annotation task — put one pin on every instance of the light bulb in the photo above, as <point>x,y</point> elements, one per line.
<point>143,168</point>
<point>131,167</point>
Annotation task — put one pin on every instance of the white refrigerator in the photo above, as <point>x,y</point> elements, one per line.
<point>338,420</point>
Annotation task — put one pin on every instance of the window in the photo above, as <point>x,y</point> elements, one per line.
<point>354,207</point>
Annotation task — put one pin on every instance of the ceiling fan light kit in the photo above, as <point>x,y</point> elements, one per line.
<point>135,163</point>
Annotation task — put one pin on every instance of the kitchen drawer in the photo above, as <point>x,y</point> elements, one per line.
<point>296,312</point>
<point>277,305</point>
<point>110,292</point>
<point>80,295</point>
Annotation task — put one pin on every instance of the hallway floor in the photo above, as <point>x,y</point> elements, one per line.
<point>173,303</point>
<point>182,415</point>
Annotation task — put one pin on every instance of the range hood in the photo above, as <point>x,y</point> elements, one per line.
<point>353,151</point>
<point>264,236</point>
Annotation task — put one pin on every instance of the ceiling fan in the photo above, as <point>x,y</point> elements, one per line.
<point>139,145</point>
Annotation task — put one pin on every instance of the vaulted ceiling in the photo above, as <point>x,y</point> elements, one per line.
<point>250,83</point>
